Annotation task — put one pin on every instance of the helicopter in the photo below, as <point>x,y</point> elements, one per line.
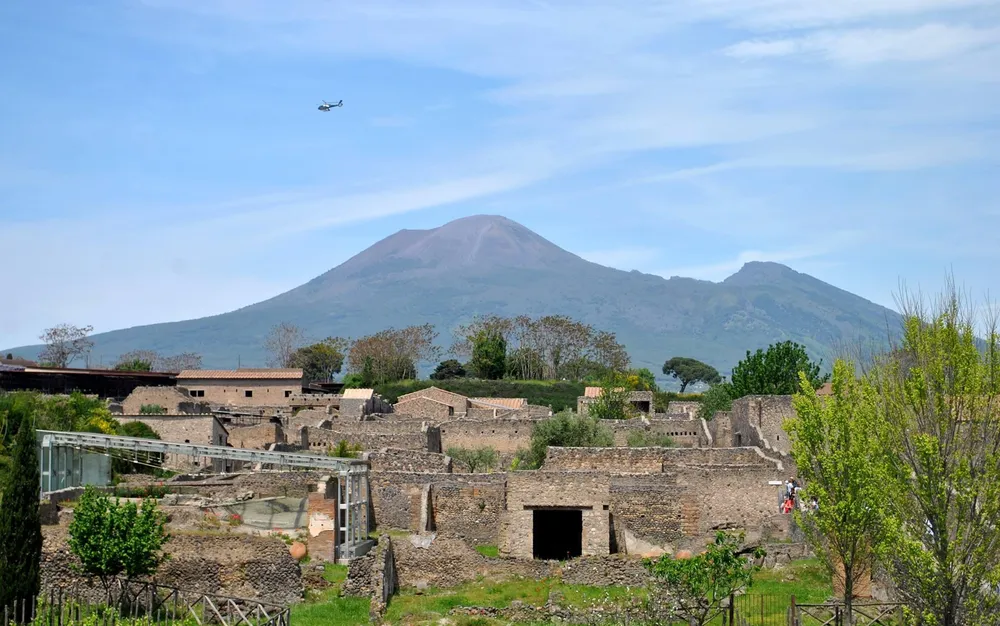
<point>326,106</point>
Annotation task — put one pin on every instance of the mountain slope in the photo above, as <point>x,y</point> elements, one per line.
<point>489,264</point>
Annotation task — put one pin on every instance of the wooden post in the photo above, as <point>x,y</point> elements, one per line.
<point>793,614</point>
<point>732,609</point>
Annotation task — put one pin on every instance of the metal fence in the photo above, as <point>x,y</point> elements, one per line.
<point>142,602</point>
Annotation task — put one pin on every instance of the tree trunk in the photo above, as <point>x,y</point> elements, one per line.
<point>848,593</point>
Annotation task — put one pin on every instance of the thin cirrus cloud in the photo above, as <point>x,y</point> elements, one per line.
<point>865,46</point>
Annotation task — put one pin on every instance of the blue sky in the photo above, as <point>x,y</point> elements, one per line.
<point>164,159</point>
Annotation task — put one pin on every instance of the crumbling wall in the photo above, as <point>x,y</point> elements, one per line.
<point>170,398</point>
<point>227,564</point>
<point>758,421</point>
<point>649,460</point>
<point>503,435</point>
<point>469,505</point>
<point>721,428</point>
<point>321,438</point>
<point>413,461</point>
<point>689,408</point>
<point>259,437</point>
<point>684,433</point>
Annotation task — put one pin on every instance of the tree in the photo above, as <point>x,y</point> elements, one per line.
<point>113,538</point>
<point>465,335</point>
<point>836,448</point>
<point>642,380</point>
<point>320,361</point>
<point>698,586</point>
<point>145,460</point>
<point>152,409</point>
<point>393,354</point>
<point>688,370</point>
<point>613,401</point>
<point>564,429</point>
<point>448,369</point>
<point>525,364</point>
<point>135,365</point>
<point>489,355</point>
<point>608,353</point>
<point>718,397</point>
<point>281,343</point>
<point>178,362</point>
<point>482,458</point>
<point>937,398</point>
<point>20,525</point>
<point>775,372</point>
<point>65,343</point>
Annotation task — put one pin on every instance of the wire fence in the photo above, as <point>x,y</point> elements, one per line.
<point>140,603</point>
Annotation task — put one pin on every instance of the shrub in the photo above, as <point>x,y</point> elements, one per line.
<point>566,430</point>
<point>646,439</point>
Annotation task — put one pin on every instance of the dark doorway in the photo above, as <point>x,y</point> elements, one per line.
<point>557,534</point>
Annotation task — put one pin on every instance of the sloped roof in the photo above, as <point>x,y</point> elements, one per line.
<point>241,374</point>
<point>420,393</point>
<point>358,394</point>
<point>507,403</point>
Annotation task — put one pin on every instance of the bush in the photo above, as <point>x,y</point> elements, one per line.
<point>344,450</point>
<point>482,459</point>
<point>566,430</point>
<point>152,409</point>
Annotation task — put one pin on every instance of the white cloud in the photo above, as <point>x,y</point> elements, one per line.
<point>864,46</point>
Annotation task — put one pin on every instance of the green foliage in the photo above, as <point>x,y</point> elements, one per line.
<point>345,450</point>
<point>146,462</point>
<point>134,365</point>
<point>662,399</point>
<point>775,372</point>
<point>525,364</point>
<point>113,538</point>
<point>152,409</point>
<point>320,361</point>
<point>613,401</point>
<point>644,380</point>
<point>448,369</point>
<point>20,525</point>
<point>559,395</point>
<point>841,461</point>
<point>75,413</point>
<point>718,398</point>
<point>646,439</point>
<point>698,586</point>
<point>491,552</point>
<point>15,407</point>
<point>483,459</point>
<point>489,355</point>
<point>353,381</point>
<point>688,370</point>
<point>937,396</point>
<point>566,430</point>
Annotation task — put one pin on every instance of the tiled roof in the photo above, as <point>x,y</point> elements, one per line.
<point>358,394</point>
<point>595,392</point>
<point>241,374</point>
<point>4,367</point>
<point>507,403</point>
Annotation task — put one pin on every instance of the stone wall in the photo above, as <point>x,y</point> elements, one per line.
<point>321,438</point>
<point>446,560</point>
<point>529,490</point>
<point>758,421</point>
<point>322,526</point>
<point>259,437</point>
<point>503,435</point>
<point>721,429</point>
<point>172,399</point>
<point>233,392</point>
<point>412,461</point>
<point>227,564</point>
<point>384,580</point>
<point>458,403</point>
<point>469,505</point>
<point>689,408</point>
<point>685,433</point>
<point>651,460</point>
<point>202,430</point>
<point>424,408</point>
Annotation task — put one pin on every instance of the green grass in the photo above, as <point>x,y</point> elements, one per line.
<point>340,611</point>
<point>488,551</point>
<point>557,394</point>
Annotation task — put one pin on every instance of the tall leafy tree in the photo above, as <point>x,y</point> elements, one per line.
<point>613,401</point>
<point>489,355</point>
<point>20,525</point>
<point>937,395</point>
<point>320,361</point>
<point>719,397</point>
<point>564,429</point>
<point>448,369</point>
<point>775,371</point>
<point>837,450</point>
<point>688,370</point>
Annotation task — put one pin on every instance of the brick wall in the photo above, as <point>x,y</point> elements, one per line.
<point>685,433</point>
<point>322,528</point>
<point>502,434</point>
<point>233,392</point>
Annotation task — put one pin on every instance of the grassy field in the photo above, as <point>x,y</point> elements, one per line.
<point>806,580</point>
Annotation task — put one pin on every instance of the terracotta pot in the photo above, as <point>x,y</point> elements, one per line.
<point>298,551</point>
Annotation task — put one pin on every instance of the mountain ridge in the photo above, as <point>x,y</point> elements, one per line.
<point>489,264</point>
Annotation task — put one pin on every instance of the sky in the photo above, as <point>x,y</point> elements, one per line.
<point>165,159</point>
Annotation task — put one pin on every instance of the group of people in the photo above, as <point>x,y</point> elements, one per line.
<point>792,488</point>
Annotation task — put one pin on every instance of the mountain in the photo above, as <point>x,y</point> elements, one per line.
<point>490,264</point>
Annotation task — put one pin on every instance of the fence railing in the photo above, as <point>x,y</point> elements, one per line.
<point>141,602</point>
<point>862,614</point>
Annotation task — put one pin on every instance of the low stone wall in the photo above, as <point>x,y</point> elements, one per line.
<point>258,437</point>
<point>614,570</point>
<point>234,565</point>
<point>413,461</point>
<point>685,433</point>
<point>446,560</point>
<point>384,580</point>
<point>503,435</point>
<point>320,439</point>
